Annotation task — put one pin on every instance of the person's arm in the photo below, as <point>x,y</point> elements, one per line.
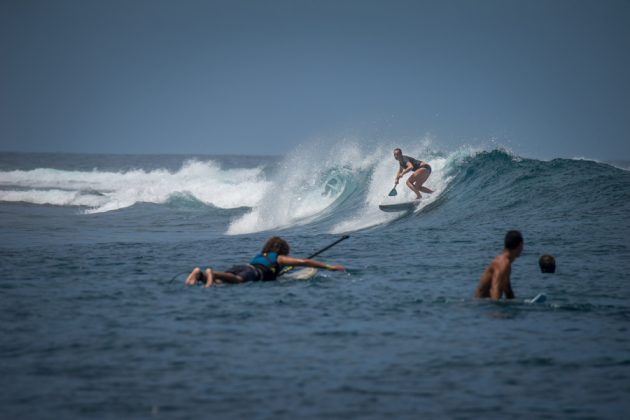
<point>509,293</point>
<point>287,260</point>
<point>483,288</point>
<point>402,171</point>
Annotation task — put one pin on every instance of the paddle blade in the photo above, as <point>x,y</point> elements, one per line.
<point>393,192</point>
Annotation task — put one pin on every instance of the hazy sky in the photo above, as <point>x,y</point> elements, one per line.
<point>546,78</point>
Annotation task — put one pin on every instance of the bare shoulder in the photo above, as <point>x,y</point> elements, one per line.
<point>501,262</point>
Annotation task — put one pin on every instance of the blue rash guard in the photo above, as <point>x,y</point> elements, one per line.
<point>267,265</point>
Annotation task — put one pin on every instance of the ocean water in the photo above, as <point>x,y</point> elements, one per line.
<point>97,323</point>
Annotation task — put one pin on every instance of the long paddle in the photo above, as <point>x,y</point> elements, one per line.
<point>290,267</point>
<point>393,192</point>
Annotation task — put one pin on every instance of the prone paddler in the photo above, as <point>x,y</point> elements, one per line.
<point>265,266</point>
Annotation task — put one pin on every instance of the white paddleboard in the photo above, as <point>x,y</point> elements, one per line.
<point>301,273</point>
<point>539,298</point>
<point>404,206</point>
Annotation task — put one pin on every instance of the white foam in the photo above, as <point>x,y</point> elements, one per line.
<point>206,181</point>
<point>297,195</point>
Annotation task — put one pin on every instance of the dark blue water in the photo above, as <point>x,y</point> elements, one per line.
<point>96,321</point>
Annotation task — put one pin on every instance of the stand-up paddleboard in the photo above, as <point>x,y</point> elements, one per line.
<point>301,273</point>
<point>404,206</point>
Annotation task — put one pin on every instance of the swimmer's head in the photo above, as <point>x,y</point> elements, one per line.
<point>514,241</point>
<point>547,264</point>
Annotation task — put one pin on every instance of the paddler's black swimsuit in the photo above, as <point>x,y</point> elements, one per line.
<point>415,164</point>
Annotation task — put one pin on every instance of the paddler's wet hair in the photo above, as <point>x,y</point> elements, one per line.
<point>513,239</point>
<point>278,245</point>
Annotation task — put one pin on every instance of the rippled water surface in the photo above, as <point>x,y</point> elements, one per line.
<point>96,321</point>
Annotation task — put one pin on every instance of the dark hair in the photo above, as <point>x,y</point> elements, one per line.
<point>278,245</point>
<point>547,264</point>
<point>397,150</point>
<point>513,239</point>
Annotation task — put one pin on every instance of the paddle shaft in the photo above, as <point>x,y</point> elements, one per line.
<point>343,238</point>
<point>289,268</point>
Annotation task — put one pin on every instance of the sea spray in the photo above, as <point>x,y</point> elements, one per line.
<point>302,187</point>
